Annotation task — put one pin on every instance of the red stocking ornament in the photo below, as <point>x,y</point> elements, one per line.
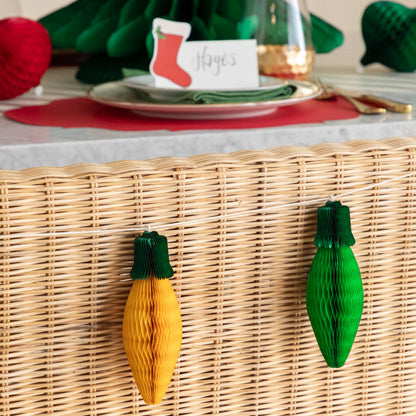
<point>25,54</point>
<point>169,37</point>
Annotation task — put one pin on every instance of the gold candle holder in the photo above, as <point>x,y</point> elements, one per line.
<point>283,31</point>
<point>285,61</point>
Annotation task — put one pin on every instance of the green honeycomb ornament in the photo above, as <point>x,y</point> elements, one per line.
<point>325,37</point>
<point>334,291</point>
<point>389,32</point>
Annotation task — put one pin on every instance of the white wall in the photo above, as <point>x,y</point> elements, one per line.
<point>36,8</point>
<point>346,15</point>
<point>29,8</point>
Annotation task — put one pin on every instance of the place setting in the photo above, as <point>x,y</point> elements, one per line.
<point>195,85</point>
<point>253,77</point>
<point>201,80</point>
<point>202,104</point>
<point>227,79</point>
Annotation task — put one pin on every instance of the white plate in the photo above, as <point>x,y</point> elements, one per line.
<point>147,83</point>
<point>115,94</point>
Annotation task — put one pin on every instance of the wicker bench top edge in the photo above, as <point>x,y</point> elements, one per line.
<point>212,160</point>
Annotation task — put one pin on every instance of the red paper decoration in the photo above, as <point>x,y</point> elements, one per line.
<point>25,54</point>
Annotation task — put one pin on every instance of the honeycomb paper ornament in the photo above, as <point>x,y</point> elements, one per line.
<point>121,29</point>
<point>389,32</point>
<point>95,37</point>
<point>152,326</point>
<point>73,23</point>
<point>325,37</point>
<point>25,54</point>
<point>334,291</point>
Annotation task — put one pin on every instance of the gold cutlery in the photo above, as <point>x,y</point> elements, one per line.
<point>388,104</point>
<point>327,94</point>
<point>380,104</point>
<point>361,107</point>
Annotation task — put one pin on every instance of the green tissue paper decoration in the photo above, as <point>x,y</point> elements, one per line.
<point>334,291</point>
<point>102,68</point>
<point>325,37</point>
<point>389,32</point>
<point>121,30</point>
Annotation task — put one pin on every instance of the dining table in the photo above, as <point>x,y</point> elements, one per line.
<point>26,145</point>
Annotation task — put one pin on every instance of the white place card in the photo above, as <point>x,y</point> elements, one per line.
<point>177,63</point>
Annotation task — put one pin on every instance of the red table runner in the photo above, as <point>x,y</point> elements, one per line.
<point>82,112</point>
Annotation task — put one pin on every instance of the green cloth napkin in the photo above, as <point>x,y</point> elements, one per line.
<point>223,97</point>
<point>216,97</point>
<point>133,72</point>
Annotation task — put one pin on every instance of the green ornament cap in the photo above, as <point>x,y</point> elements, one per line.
<point>334,226</point>
<point>151,256</point>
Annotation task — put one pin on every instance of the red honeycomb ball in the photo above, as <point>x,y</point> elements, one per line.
<point>25,55</point>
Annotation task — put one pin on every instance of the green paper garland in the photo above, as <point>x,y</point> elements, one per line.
<point>334,291</point>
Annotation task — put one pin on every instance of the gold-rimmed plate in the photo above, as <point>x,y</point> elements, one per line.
<point>115,94</point>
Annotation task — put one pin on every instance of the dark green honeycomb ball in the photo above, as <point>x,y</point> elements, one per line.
<point>389,33</point>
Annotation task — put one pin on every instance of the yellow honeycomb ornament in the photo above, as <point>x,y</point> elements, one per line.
<point>152,325</point>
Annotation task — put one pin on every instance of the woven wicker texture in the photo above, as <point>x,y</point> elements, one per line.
<point>248,347</point>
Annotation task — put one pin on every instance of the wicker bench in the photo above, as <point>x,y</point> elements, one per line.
<point>248,347</point>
